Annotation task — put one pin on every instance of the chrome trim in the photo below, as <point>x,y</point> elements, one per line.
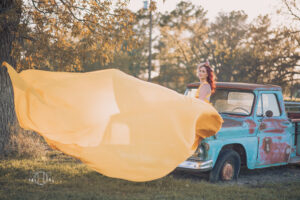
<point>196,165</point>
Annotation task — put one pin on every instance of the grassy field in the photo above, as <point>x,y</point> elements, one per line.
<point>73,180</point>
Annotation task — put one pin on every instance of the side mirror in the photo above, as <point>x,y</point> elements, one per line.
<point>269,113</point>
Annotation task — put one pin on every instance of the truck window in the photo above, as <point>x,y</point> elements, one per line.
<point>233,102</point>
<point>269,102</point>
<point>229,101</point>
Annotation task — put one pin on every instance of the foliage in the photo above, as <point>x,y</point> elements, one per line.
<point>89,35</point>
<point>226,36</point>
<point>238,51</point>
<point>130,60</point>
<point>293,8</point>
<point>62,35</point>
<point>24,144</point>
<point>182,33</point>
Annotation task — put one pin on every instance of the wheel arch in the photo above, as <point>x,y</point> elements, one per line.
<point>240,149</point>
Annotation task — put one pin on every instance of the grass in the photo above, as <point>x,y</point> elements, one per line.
<point>28,158</point>
<point>73,180</point>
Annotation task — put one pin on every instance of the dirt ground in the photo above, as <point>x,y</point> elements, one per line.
<point>280,174</point>
<point>288,173</point>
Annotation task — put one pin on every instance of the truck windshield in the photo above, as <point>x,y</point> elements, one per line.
<point>229,101</point>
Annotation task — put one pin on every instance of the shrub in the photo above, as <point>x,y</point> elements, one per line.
<point>24,144</point>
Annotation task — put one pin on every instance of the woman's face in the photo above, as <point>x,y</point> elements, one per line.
<point>202,73</point>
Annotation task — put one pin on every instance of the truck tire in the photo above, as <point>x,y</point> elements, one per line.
<point>227,167</point>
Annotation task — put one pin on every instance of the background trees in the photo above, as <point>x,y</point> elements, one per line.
<point>180,48</point>
<point>58,35</point>
<point>293,8</point>
<point>227,34</point>
<point>254,52</point>
<point>86,35</point>
<point>133,55</point>
<point>63,35</point>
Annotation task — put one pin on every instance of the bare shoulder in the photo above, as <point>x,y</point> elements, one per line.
<point>206,86</point>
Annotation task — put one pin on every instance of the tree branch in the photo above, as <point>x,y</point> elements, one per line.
<point>290,9</point>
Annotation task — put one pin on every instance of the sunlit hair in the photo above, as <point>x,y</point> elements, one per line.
<point>211,76</point>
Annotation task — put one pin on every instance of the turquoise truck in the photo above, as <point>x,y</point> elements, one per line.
<point>259,130</point>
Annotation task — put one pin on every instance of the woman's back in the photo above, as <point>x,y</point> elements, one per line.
<point>204,92</point>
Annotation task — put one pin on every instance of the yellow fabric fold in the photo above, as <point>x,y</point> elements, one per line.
<point>118,125</point>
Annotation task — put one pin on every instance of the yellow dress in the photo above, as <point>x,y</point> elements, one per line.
<point>116,124</point>
<point>207,97</point>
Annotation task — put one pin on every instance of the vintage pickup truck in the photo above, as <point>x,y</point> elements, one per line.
<point>257,131</point>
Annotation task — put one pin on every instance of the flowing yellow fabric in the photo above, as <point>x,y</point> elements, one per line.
<point>118,125</point>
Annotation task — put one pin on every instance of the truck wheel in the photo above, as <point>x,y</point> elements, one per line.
<point>227,167</point>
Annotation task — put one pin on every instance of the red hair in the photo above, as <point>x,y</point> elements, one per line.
<point>211,76</point>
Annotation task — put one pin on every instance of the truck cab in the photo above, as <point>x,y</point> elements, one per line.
<point>257,131</point>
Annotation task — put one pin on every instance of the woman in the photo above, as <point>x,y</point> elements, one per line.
<point>207,82</point>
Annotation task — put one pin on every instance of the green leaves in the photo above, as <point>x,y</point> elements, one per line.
<point>72,29</point>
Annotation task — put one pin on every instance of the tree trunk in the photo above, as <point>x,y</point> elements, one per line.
<point>10,14</point>
<point>7,108</point>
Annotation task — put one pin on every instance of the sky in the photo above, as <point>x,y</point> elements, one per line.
<point>252,8</point>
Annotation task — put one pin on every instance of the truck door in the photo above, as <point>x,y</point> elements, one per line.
<point>274,139</point>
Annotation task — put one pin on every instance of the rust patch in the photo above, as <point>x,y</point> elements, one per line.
<point>236,116</point>
<point>262,126</point>
<point>274,152</point>
<point>231,123</point>
<point>252,125</point>
<point>273,126</point>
